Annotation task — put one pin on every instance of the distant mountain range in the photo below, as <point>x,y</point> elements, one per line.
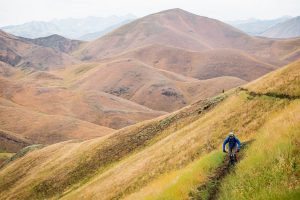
<point>55,89</point>
<point>95,35</point>
<point>286,29</point>
<point>141,70</point>
<point>91,28</point>
<point>70,28</point>
<point>257,26</point>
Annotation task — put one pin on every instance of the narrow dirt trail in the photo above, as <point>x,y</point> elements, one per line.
<point>210,189</point>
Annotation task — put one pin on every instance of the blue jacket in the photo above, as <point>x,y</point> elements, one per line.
<point>231,143</point>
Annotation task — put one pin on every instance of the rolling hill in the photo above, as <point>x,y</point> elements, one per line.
<point>176,41</point>
<point>24,54</point>
<point>56,42</point>
<point>178,156</point>
<point>68,27</point>
<point>201,65</point>
<point>154,88</point>
<point>142,70</point>
<point>39,127</point>
<point>181,29</point>
<point>179,42</point>
<point>174,27</point>
<point>257,26</point>
<point>286,29</point>
<point>94,107</point>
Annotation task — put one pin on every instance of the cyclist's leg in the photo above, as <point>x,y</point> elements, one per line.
<point>230,152</point>
<point>235,153</point>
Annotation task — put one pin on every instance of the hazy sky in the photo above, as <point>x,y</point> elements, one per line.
<point>20,11</point>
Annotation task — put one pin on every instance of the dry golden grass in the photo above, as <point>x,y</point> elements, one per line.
<point>85,163</point>
<point>270,169</point>
<point>135,157</point>
<point>177,185</point>
<point>121,164</point>
<point>95,107</point>
<point>43,128</point>
<point>180,147</point>
<point>5,156</point>
<point>285,81</point>
<point>132,66</point>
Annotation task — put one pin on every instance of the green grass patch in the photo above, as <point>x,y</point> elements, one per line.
<point>178,185</point>
<point>271,168</point>
<point>83,69</point>
<point>4,156</point>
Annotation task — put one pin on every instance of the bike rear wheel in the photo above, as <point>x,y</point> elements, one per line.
<point>232,159</point>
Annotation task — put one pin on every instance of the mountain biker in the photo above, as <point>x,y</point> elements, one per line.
<point>234,144</point>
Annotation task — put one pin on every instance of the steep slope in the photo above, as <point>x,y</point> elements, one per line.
<point>175,27</point>
<point>56,42</point>
<point>179,42</point>
<point>274,83</point>
<point>19,53</point>
<point>170,157</point>
<point>145,57</point>
<point>4,156</point>
<point>181,29</point>
<point>287,29</point>
<point>274,165</point>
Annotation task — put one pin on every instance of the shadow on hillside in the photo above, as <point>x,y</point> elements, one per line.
<point>21,153</point>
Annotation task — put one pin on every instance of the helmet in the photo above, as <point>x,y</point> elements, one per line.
<point>231,134</point>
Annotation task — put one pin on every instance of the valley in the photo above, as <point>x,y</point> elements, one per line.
<point>141,112</point>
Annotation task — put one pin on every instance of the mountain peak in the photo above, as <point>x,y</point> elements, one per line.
<point>57,42</point>
<point>175,11</point>
<point>55,36</point>
<point>286,29</point>
<point>174,27</point>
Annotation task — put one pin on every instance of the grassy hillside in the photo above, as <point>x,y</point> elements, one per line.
<point>157,60</point>
<point>95,107</point>
<point>284,82</point>
<point>157,89</point>
<point>21,126</point>
<point>4,156</point>
<point>178,156</point>
<point>271,167</point>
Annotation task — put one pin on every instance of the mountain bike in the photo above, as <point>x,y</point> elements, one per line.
<point>232,157</point>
